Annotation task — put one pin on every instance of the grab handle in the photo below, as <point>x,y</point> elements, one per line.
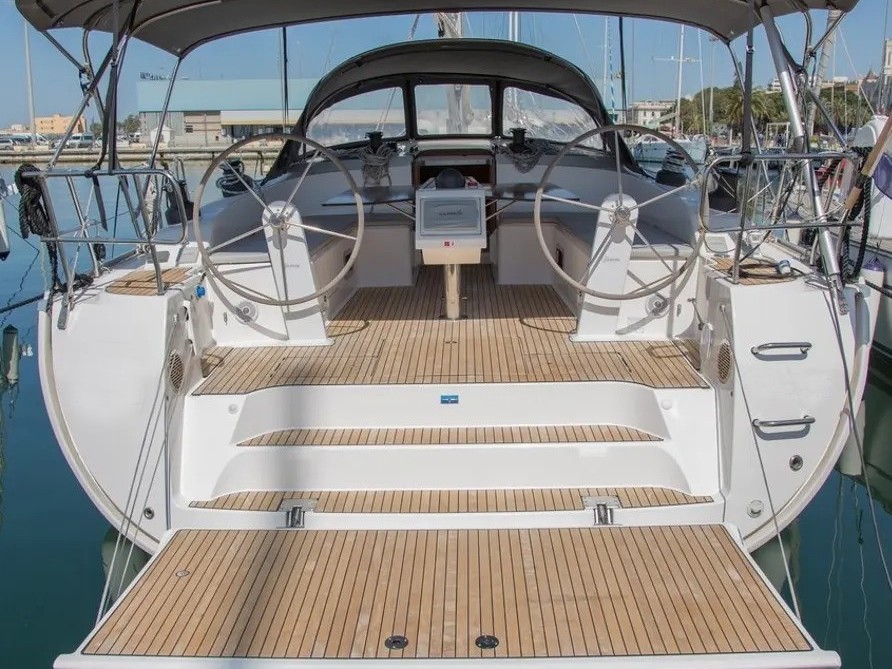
<point>803,346</point>
<point>789,422</point>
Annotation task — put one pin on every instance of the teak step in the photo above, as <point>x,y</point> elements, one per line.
<point>395,335</point>
<point>648,593</point>
<point>450,501</point>
<point>536,434</point>
<point>143,282</point>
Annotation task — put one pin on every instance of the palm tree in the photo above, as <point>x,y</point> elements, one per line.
<point>734,106</point>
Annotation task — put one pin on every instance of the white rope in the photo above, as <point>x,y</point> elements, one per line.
<point>771,508</point>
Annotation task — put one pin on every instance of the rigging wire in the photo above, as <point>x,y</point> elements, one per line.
<point>780,541</point>
<point>853,427</point>
<point>845,48</point>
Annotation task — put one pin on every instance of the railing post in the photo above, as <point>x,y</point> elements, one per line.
<point>797,128</point>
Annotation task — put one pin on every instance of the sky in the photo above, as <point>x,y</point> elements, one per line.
<point>317,48</point>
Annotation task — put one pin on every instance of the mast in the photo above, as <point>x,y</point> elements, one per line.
<point>29,83</point>
<point>458,100</point>
<point>677,124</point>
<point>828,46</point>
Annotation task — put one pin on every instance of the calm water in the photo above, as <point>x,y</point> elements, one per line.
<point>50,536</point>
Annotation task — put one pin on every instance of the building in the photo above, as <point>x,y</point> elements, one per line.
<point>210,111</point>
<point>57,125</point>
<point>650,112</point>
<point>877,88</point>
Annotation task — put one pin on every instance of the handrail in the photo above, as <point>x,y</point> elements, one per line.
<point>803,346</point>
<point>788,422</point>
<point>144,232</point>
<point>766,157</point>
<point>118,172</point>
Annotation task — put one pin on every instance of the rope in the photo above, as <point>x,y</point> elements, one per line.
<point>34,219</point>
<point>234,180</point>
<point>851,268</point>
<point>376,164</point>
<point>527,158</point>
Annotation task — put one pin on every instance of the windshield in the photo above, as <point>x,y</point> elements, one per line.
<point>453,109</point>
<point>352,119</point>
<point>544,117</point>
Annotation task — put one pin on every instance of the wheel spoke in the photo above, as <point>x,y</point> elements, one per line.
<point>577,203</point>
<point>299,182</point>
<point>235,239</point>
<point>654,249</point>
<point>668,193</point>
<point>282,264</point>
<point>598,254</point>
<point>331,233</point>
<point>249,188</point>
<point>619,167</point>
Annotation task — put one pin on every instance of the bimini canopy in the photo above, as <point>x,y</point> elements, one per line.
<point>495,63</point>
<point>178,26</point>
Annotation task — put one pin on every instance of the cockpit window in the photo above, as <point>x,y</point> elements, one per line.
<point>352,119</point>
<point>453,109</point>
<point>546,117</point>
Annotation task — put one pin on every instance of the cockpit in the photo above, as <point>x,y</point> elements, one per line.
<point>426,154</point>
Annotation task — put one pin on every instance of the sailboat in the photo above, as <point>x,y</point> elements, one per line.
<point>457,391</point>
<point>650,149</point>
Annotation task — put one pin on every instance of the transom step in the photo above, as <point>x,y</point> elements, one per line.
<point>450,501</point>
<point>535,434</point>
<point>644,592</point>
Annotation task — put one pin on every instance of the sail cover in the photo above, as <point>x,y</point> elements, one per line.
<point>178,26</point>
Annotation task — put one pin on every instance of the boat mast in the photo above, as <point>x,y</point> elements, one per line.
<point>29,83</point>
<point>449,26</point>
<point>833,17</point>
<point>677,125</point>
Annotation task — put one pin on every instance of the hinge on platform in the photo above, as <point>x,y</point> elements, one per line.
<point>296,511</point>
<point>603,508</point>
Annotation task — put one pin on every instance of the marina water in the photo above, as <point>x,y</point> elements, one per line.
<point>51,573</point>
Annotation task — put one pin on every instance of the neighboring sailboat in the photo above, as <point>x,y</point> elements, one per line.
<point>650,149</point>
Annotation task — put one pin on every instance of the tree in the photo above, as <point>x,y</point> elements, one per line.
<point>845,107</point>
<point>733,111</point>
<point>96,129</point>
<point>130,125</point>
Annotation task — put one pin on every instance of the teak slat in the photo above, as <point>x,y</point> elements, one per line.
<point>397,336</point>
<point>142,281</point>
<point>575,592</point>
<point>450,501</point>
<point>537,434</point>
<point>752,272</point>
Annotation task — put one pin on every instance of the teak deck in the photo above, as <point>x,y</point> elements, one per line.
<point>583,592</point>
<point>450,501</point>
<point>142,281</point>
<point>752,272</point>
<point>397,336</point>
<point>515,434</point>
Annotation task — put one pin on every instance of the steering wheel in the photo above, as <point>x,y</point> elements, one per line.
<point>620,214</point>
<point>276,218</point>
